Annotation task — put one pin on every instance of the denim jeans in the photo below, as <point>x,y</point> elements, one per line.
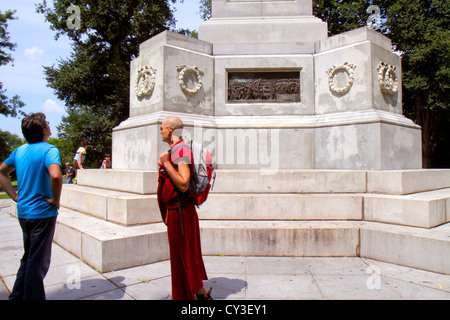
<point>37,243</point>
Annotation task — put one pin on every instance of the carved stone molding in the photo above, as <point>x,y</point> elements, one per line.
<point>387,78</point>
<point>184,73</point>
<point>145,81</point>
<point>342,87</point>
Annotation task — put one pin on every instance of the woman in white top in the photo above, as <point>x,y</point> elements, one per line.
<point>79,156</point>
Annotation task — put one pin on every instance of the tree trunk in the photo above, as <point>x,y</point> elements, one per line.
<point>428,120</point>
<point>427,147</point>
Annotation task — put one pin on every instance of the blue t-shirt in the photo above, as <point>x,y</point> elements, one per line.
<point>31,161</point>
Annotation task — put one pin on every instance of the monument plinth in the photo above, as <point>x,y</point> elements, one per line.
<point>265,88</point>
<point>242,22</point>
<point>313,154</point>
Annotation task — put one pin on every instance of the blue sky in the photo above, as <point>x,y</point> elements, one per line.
<point>37,47</point>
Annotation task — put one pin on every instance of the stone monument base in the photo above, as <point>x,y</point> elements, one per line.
<point>306,105</point>
<point>298,124</point>
<point>274,22</point>
<point>358,140</point>
<point>399,216</point>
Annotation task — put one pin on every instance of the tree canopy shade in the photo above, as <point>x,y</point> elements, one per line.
<point>8,142</point>
<point>8,107</point>
<point>94,81</point>
<point>420,29</point>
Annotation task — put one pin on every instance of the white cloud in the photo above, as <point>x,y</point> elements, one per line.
<point>52,106</point>
<point>33,53</point>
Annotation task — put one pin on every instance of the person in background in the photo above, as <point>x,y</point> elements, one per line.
<point>106,164</point>
<point>70,173</point>
<point>79,156</point>
<point>39,179</point>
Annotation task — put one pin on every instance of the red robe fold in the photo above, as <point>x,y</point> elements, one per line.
<point>186,262</point>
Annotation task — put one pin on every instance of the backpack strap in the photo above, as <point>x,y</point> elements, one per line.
<point>162,207</point>
<point>176,152</point>
<point>179,193</point>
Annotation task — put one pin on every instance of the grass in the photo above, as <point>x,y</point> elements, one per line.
<point>4,195</point>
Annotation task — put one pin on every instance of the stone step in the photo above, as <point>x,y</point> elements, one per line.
<point>396,182</point>
<point>427,249</point>
<point>134,181</point>
<point>280,238</point>
<point>233,181</point>
<point>107,246</point>
<point>290,181</point>
<point>424,209</point>
<point>282,207</point>
<point>119,207</point>
<point>407,181</point>
<point>131,209</point>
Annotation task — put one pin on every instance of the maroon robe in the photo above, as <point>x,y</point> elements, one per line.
<point>186,262</point>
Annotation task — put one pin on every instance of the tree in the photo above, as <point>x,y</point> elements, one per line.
<point>205,9</point>
<point>420,30</point>
<point>343,16</point>
<point>8,107</point>
<point>94,81</point>
<point>8,142</point>
<point>82,123</point>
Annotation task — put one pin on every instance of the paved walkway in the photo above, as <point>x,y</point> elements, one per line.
<point>240,278</point>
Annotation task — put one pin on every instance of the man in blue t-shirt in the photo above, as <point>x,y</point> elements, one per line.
<point>39,179</point>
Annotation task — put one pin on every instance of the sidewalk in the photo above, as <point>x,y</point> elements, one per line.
<point>240,278</point>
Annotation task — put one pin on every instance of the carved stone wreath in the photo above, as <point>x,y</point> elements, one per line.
<point>145,81</point>
<point>349,69</point>
<point>387,78</point>
<point>184,70</point>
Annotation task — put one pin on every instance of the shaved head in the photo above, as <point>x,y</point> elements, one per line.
<point>171,129</point>
<point>173,122</point>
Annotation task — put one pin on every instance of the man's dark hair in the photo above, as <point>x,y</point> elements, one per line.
<point>33,126</point>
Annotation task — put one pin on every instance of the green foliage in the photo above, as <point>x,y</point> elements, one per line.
<point>8,142</point>
<point>8,107</point>
<point>420,30</point>
<point>94,82</point>
<point>82,123</point>
<point>342,16</point>
<point>5,42</point>
<point>205,9</point>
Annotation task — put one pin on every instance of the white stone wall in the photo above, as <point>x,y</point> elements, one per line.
<point>344,119</point>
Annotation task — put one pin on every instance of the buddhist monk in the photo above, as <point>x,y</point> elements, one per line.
<point>180,215</point>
